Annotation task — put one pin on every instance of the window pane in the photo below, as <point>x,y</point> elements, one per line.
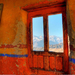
<point>55,33</point>
<point>38,37</point>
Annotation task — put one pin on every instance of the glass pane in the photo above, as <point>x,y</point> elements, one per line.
<point>55,33</point>
<point>38,37</point>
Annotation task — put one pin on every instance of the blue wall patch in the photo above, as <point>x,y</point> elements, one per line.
<point>12,55</point>
<point>72,60</point>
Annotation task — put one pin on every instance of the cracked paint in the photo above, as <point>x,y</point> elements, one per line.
<point>13,36</point>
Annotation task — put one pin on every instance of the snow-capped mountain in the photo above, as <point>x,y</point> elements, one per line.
<point>39,41</point>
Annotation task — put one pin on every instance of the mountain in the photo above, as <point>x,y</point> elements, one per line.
<point>60,45</point>
<point>39,41</point>
<point>52,48</point>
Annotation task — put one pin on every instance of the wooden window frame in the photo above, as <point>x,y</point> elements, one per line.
<point>44,10</point>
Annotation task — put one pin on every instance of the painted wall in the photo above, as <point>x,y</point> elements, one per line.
<point>13,36</point>
<point>71,33</point>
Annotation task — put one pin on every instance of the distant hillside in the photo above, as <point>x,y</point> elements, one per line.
<point>51,47</point>
<point>53,40</point>
<point>60,45</point>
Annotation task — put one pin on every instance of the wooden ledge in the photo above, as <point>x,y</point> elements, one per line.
<point>45,4</point>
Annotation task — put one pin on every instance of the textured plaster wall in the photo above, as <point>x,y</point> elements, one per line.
<point>13,25</point>
<point>71,33</point>
<point>13,34</point>
<point>71,25</point>
<point>71,21</point>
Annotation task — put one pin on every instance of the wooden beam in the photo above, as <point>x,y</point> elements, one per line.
<point>43,5</point>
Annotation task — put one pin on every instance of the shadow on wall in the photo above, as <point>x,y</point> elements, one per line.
<point>1,8</point>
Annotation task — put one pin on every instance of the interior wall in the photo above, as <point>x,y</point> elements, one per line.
<point>71,33</point>
<point>13,35</point>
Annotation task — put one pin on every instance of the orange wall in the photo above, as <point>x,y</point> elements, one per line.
<point>71,33</point>
<point>13,25</point>
<point>13,32</point>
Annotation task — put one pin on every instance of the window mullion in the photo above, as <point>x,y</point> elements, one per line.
<point>46,44</point>
<point>46,40</point>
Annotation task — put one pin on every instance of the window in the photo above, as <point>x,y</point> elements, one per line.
<point>38,36</point>
<point>55,33</point>
<point>55,27</point>
<point>47,61</point>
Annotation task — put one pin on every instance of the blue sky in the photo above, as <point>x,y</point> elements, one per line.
<point>54,23</point>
